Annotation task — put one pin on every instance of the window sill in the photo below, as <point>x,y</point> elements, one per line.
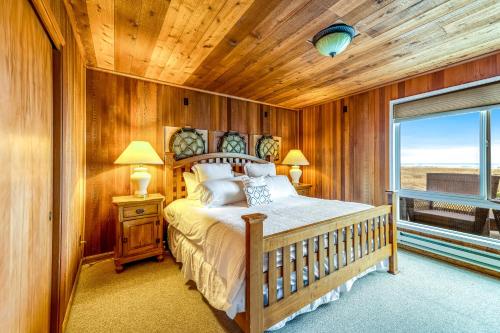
<point>478,242</point>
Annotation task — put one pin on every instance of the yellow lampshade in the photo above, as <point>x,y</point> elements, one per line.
<point>139,152</point>
<point>295,157</point>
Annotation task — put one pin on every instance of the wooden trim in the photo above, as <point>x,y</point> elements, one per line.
<point>57,174</point>
<point>197,158</point>
<point>49,22</point>
<point>98,257</point>
<point>74,29</point>
<point>71,297</point>
<point>459,263</point>
<point>393,232</point>
<point>254,298</point>
<point>450,240</point>
<point>185,87</point>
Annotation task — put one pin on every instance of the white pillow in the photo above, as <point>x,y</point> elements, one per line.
<point>209,171</point>
<point>220,192</point>
<point>254,181</point>
<point>280,187</point>
<point>258,170</point>
<point>257,192</point>
<point>191,185</point>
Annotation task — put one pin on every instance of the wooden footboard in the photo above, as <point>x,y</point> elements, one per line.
<point>339,248</point>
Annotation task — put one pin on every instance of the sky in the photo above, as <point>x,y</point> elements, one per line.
<point>447,140</point>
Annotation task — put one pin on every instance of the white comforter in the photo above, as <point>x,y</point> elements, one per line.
<point>219,232</point>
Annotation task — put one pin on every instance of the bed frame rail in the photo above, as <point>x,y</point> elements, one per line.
<point>322,256</point>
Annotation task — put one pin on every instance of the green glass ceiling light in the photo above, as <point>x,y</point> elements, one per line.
<point>334,39</point>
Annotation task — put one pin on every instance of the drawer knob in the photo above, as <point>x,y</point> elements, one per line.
<point>139,210</point>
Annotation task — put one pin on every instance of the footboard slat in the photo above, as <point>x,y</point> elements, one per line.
<point>310,260</point>
<point>340,248</point>
<point>381,231</point>
<point>272,278</point>
<point>332,251</point>
<point>386,223</point>
<point>286,272</point>
<point>321,255</point>
<point>348,244</point>
<point>299,264</point>
<point>363,238</point>
<point>356,242</point>
<point>370,236</point>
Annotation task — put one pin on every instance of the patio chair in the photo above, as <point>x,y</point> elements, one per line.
<point>464,218</point>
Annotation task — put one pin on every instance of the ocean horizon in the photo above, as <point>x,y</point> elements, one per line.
<point>448,165</point>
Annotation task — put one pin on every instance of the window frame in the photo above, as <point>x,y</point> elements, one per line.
<point>483,179</point>
<point>482,200</point>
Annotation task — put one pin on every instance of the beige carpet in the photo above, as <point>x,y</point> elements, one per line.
<point>426,296</point>
<point>147,297</point>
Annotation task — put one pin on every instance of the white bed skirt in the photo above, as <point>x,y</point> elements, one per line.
<point>213,287</point>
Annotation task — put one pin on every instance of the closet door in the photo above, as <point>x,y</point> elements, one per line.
<point>26,169</point>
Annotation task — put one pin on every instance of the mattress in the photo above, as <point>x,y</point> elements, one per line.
<point>210,244</point>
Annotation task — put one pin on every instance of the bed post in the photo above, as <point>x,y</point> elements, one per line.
<point>393,199</point>
<point>168,178</point>
<point>254,297</point>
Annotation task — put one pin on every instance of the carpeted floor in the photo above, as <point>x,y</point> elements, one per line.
<point>427,296</point>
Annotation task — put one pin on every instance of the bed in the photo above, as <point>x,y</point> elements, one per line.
<point>264,265</point>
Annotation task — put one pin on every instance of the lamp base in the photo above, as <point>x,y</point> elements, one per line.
<point>140,178</point>
<point>295,174</point>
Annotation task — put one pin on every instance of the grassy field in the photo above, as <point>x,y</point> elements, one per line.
<point>415,177</point>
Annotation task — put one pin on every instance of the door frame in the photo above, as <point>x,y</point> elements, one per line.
<point>56,317</point>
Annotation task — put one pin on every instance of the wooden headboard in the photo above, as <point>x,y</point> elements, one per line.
<point>174,185</point>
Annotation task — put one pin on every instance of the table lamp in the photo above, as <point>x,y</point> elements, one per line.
<point>139,153</point>
<point>295,158</point>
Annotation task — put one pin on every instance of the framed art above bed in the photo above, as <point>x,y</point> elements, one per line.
<point>185,142</point>
<point>227,142</point>
<point>266,147</point>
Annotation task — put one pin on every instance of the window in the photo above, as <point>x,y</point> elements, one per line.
<point>446,167</point>
<point>435,149</point>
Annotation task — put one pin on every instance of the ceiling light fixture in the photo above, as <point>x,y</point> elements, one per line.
<point>333,40</point>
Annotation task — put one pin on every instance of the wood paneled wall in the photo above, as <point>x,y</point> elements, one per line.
<point>26,182</point>
<point>121,109</point>
<point>349,152</point>
<point>73,165</point>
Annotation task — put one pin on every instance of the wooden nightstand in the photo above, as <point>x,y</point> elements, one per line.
<point>139,228</point>
<point>303,189</point>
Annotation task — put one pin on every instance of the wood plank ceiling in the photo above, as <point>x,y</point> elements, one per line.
<point>259,49</point>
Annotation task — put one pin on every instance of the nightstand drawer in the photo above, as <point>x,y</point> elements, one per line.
<point>303,191</point>
<point>138,211</point>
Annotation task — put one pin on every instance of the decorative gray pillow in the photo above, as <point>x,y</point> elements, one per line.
<point>257,195</point>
